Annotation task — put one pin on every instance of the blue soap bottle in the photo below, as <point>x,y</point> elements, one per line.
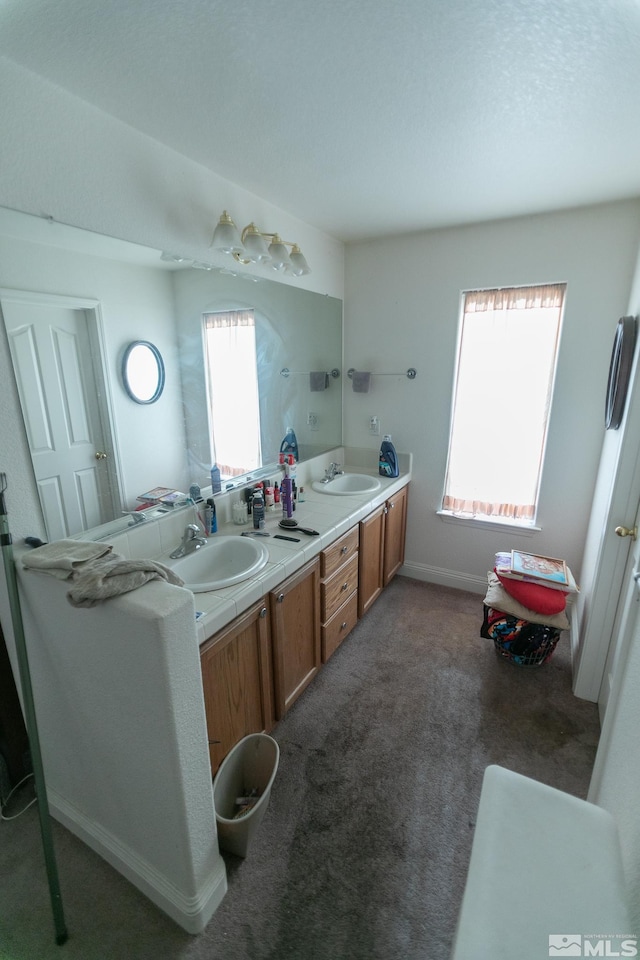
<point>388,461</point>
<point>290,444</point>
<point>216,482</point>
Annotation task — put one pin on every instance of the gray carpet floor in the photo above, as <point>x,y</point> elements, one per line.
<point>364,850</point>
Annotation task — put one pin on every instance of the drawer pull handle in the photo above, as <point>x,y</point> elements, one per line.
<point>345,586</point>
<point>344,549</point>
<point>343,624</point>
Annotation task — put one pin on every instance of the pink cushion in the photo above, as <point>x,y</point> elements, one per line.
<point>534,596</point>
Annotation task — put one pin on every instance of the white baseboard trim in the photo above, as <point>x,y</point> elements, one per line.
<point>445,578</point>
<point>192,913</point>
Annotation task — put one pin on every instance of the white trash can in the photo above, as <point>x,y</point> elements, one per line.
<point>249,767</point>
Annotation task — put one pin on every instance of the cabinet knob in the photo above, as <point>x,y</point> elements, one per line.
<point>345,586</point>
<point>391,504</point>
<point>343,624</point>
<point>344,549</point>
<point>280,597</point>
<point>263,612</point>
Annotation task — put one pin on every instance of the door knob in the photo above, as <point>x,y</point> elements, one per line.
<point>627,532</point>
<point>101,455</point>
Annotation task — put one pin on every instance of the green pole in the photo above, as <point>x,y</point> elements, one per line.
<point>30,719</point>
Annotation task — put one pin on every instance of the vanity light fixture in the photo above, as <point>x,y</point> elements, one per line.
<point>250,246</point>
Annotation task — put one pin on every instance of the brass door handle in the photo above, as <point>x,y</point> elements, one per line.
<point>627,532</point>
<point>101,455</point>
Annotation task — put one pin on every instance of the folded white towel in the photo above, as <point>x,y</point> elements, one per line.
<point>108,577</point>
<point>62,557</point>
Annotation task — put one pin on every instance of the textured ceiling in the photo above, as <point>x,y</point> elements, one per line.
<point>364,117</point>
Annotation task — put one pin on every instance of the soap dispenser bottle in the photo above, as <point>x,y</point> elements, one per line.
<point>388,460</point>
<point>290,444</point>
<point>216,482</point>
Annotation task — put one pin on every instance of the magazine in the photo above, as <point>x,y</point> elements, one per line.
<point>535,568</point>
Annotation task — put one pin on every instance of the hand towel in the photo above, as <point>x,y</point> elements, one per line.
<point>361,380</point>
<point>62,557</point>
<point>318,380</point>
<point>108,577</point>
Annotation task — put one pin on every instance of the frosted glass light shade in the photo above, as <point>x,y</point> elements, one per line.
<point>255,247</point>
<point>299,266</point>
<point>226,238</point>
<point>279,254</point>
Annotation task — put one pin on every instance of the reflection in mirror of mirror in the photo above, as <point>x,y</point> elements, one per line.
<point>133,291</point>
<point>143,372</point>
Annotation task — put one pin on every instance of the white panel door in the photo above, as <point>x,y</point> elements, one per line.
<point>51,354</point>
<point>626,614</point>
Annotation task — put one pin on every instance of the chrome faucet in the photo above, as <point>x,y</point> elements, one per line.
<point>332,472</point>
<point>191,540</point>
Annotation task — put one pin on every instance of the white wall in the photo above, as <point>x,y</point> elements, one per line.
<point>401,309</point>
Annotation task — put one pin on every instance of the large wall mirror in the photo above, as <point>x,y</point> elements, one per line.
<point>73,302</point>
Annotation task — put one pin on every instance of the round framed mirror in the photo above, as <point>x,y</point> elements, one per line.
<point>143,371</point>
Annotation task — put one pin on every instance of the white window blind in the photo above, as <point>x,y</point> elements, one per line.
<point>232,380</point>
<point>504,379</point>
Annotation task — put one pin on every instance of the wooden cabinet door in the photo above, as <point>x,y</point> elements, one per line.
<point>370,570</point>
<point>295,627</point>
<point>394,534</point>
<point>237,682</point>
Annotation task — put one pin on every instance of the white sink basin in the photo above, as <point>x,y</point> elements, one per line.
<point>346,484</point>
<point>221,562</point>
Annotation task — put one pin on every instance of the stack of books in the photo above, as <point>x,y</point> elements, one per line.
<point>534,568</point>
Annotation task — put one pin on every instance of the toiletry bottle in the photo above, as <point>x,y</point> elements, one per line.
<point>290,444</point>
<point>301,495</point>
<point>216,485</point>
<point>208,519</point>
<point>276,492</point>
<point>214,520</point>
<point>388,462</point>
<point>194,492</point>
<point>258,512</point>
<point>269,498</point>
<point>286,497</point>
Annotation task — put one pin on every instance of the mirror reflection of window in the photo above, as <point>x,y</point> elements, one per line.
<point>232,387</point>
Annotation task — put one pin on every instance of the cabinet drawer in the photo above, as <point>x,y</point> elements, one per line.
<point>339,626</point>
<point>341,585</point>
<point>338,553</point>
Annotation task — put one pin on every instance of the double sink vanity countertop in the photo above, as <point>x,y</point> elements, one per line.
<point>330,515</point>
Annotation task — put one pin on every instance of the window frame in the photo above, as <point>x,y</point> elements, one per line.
<point>497,522</point>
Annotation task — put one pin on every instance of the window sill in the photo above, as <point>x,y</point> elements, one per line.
<point>499,525</point>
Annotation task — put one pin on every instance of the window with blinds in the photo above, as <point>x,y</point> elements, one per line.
<point>232,390</point>
<point>507,351</point>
